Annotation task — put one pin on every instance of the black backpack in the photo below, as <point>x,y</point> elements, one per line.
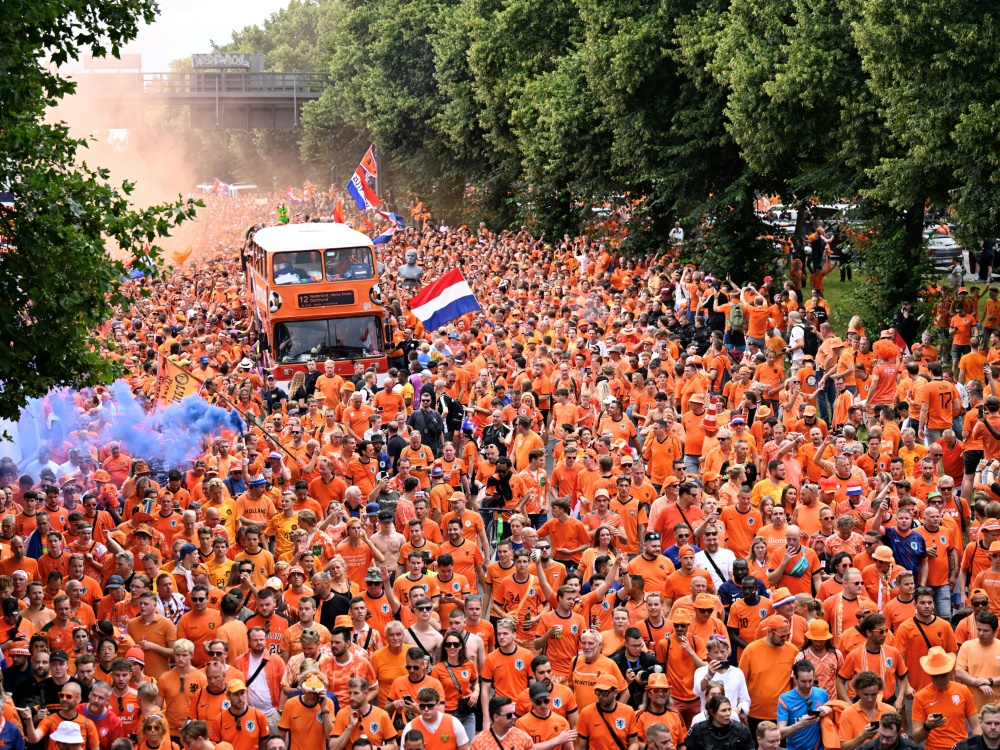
<point>810,341</point>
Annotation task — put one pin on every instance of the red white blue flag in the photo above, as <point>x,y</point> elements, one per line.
<point>443,300</point>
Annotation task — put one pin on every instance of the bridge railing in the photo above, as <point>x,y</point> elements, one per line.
<point>213,83</point>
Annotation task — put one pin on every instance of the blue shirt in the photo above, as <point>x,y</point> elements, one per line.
<point>792,706</point>
<point>909,551</point>
<point>729,592</point>
<point>11,737</point>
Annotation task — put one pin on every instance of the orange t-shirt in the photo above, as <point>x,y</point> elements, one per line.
<point>562,650</point>
<point>507,672</point>
<point>955,703</point>
<point>768,672</point>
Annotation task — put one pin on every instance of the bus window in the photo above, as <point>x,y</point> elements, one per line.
<point>349,264</point>
<point>304,267</point>
<point>339,338</point>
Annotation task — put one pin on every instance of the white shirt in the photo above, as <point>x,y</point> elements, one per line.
<point>461,738</point>
<point>257,691</point>
<point>797,334</point>
<point>723,558</point>
<point>733,681</point>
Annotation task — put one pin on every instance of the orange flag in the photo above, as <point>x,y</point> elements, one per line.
<point>368,163</point>
<point>174,383</point>
<point>338,211</point>
<point>179,256</point>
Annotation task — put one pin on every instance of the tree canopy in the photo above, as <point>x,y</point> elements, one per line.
<point>514,110</point>
<point>59,281</point>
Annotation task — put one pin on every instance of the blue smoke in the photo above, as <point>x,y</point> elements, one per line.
<point>174,435</point>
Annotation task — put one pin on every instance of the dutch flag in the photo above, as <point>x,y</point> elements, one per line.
<point>397,223</point>
<point>363,195</point>
<point>442,301</point>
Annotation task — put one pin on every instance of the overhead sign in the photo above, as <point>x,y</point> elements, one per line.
<point>125,62</point>
<point>221,60</point>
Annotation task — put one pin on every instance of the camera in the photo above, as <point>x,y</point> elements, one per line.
<point>643,674</point>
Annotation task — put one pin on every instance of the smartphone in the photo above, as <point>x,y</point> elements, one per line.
<point>813,712</point>
<point>873,726</point>
<point>935,717</point>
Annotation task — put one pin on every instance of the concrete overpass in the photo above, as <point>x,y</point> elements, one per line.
<point>216,99</point>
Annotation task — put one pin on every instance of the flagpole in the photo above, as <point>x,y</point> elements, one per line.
<point>250,421</point>
<point>378,173</point>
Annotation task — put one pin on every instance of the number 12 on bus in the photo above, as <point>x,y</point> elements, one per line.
<point>316,296</point>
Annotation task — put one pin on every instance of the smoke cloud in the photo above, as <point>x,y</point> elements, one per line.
<point>173,436</point>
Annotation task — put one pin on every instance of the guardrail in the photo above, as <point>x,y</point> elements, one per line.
<point>210,83</point>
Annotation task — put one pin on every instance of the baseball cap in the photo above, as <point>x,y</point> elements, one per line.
<point>372,509</point>
<point>775,622</point>
<point>59,655</point>
<point>10,607</point>
<point>538,690</point>
<point>236,686</point>
<point>137,655</point>
<point>115,582</point>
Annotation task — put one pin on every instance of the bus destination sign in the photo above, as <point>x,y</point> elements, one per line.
<point>325,299</point>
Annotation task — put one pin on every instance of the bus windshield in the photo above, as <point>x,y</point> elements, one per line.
<point>349,264</point>
<point>338,338</point>
<point>303,267</point>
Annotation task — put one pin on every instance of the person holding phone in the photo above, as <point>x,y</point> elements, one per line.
<point>941,709</point>
<point>859,721</point>
<point>800,709</point>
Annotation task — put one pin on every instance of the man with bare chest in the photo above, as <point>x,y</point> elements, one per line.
<point>387,539</point>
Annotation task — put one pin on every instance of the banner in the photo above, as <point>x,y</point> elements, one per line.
<point>173,383</point>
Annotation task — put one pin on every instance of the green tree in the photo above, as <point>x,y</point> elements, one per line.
<point>931,65</point>
<point>59,281</point>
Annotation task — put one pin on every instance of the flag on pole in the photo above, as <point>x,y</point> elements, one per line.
<point>368,163</point>
<point>173,383</point>
<point>363,195</point>
<point>397,223</point>
<point>443,300</point>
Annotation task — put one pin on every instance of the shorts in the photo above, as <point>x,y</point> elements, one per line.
<point>526,643</point>
<point>957,351</point>
<point>970,461</point>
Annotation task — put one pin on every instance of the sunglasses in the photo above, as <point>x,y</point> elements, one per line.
<point>541,701</point>
<point>67,696</point>
<point>198,599</point>
<point>506,715</point>
<point>603,692</point>
<point>426,706</point>
<point>453,645</point>
<point>652,537</point>
<point>414,667</point>
<point>704,611</point>
<point>424,609</point>
<point>981,604</point>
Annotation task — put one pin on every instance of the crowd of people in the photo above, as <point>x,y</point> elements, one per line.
<point>623,505</point>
